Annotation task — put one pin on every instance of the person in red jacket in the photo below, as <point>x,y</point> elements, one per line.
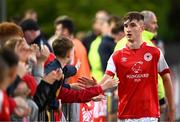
<point>8,105</point>
<point>4,103</point>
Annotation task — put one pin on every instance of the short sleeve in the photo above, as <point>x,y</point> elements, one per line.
<point>111,69</point>
<point>163,68</point>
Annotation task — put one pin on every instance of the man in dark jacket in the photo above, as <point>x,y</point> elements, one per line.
<point>33,34</point>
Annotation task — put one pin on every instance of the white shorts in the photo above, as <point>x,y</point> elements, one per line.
<point>144,119</point>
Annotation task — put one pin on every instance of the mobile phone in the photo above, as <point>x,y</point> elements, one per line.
<point>41,44</point>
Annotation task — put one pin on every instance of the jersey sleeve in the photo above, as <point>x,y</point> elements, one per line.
<point>111,68</point>
<point>163,68</point>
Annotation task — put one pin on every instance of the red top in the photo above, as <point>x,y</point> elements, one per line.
<point>50,58</point>
<point>4,107</point>
<point>137,72</point>
<point>85,95</point>
<point>31,83</point>
<point>7,106</point>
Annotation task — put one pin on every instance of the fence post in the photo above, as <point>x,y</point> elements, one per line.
<point>3,10</point>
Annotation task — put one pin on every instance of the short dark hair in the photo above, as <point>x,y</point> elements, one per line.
<point>119,27</point>
<point>61,46</point>
<point>3,69</point>
<point>66,23</point>
<point>9,57</point>
<point>29,24</point>
<point>115,19</point>
<point>133,15</point>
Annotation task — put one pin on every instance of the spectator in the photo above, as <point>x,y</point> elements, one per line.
<point>151,26</point>
<point>100,16</point>
<point>79,58</point>
<point>33,34</point>
<point>9,30</point>
<point>12,38</point>
<point>118,32</point>
<point>13,104</point>
<point>30,14</point>
<point>4,104</point>
<point>58,29</point>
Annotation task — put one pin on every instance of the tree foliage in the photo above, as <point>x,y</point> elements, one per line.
<point>83,11</point>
